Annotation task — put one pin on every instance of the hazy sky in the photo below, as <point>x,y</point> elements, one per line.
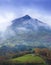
<point>11,9</point>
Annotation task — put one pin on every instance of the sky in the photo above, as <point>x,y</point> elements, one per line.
<point>11,9</point>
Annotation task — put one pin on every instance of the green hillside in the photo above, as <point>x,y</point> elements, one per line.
<point>29,58</point>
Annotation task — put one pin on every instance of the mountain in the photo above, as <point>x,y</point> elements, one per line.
<point>28,31</point>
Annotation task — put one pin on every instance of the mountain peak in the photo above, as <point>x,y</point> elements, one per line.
<point>27,17</point>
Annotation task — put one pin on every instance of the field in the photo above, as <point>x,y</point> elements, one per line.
<point>29,58</point>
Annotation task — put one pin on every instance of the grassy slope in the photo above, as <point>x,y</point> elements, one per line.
<point>28,58</point>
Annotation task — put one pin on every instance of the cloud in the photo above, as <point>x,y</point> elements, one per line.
<point>5,19</point>
<point>22,29</point>
<point>11,9</point>
<point>7,16</point>
<point>42,16</point>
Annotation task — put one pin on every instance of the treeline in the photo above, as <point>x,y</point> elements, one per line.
<point>22,54</point>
